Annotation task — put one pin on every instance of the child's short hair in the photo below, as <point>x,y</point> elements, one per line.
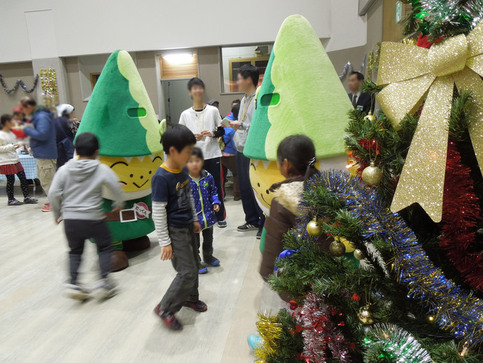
<point>299,150</point>
<point>4,119</point>
<point>195,81</point>
<point>249,70</point>
<point>198,153</point>
<point>178,136</point>
<point>86,144</point>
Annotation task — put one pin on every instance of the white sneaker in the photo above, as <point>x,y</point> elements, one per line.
<point>107,289</point>
<point>76,292</point>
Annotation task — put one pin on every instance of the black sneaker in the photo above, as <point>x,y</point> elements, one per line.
<point>247,227</point>
<point>14,203</point>
<point>30,200</point>
<point>222,224</point>
<point>212,261</point>
<point>198,306</point>
<point>259,234</point>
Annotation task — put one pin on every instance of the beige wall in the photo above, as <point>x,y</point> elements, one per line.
<point>374,35</point>
<point>11,72</point>
<point>145,62</point>
<point>210,73</point>
<point>209,69</point>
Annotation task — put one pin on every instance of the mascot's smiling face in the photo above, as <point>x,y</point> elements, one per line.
<point>262,175</point>
<point>134,173</point>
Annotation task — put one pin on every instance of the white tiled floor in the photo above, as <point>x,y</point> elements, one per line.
<point>38,324</point>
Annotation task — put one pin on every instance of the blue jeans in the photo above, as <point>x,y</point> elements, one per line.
<point>253,213</point>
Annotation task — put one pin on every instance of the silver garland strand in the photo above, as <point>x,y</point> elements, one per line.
<point>18,84</point>
<point>348,68</point>
<point>399,342</point>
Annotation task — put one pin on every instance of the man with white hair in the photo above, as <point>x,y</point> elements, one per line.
<point>65,128</point>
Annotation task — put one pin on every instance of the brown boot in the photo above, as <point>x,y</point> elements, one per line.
<point>119,261</point>
<point>136,244</point>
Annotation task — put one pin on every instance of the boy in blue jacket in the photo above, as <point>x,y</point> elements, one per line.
<point>206,201</point>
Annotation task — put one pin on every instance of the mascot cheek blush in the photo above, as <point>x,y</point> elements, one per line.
<point>301,94</point>
<point>121,115</point>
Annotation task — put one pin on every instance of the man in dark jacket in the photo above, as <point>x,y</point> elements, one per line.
<point>360,100</point>
<point>42,141</point>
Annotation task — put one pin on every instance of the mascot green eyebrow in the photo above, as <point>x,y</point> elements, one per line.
<point>121,115</point>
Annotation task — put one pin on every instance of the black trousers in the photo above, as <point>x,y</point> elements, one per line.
<point>207,243</point>
<point>213,166</point>
<point>23,185</point>
<point>253,213</point>
<point>185,261</point>
<point>77,231</point>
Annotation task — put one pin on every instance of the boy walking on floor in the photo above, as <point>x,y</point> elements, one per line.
<point>76,197</point>
<point>176,223</point>
<point>247,82</point>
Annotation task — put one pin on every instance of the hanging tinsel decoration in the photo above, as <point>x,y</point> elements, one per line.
<point>461,211</point>
<point>454,309</point>
<point>322,337</point>
<point>48,81</point>
<point>19,84</point>
<point>269,329</point>
<point>444,18</point>
<point>388,342</point>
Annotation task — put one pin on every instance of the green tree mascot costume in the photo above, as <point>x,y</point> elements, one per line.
<point>121,115</point>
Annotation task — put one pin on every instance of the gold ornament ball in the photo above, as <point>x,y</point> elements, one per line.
<point>370,117</point>
<point>358,254</point>
<point>313,228</point>
<point>365,316</point>
<point>372,175</point>
<point>337,248</point>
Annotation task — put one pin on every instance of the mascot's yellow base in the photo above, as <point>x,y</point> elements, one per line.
<point>262,175</point>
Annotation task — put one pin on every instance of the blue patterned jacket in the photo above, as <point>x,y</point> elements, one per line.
<point>205,196</point>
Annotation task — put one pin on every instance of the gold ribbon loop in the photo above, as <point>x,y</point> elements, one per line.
<point>448,57</point>
<point>409,73</point>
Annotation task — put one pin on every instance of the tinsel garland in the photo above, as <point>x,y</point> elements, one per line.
<point>269,329</point>
<point>446,18</point>
<point>18,84</point>
<point>454,309</point>
<point>392,342</point>
<point>461,211</point>
<point>322,338</point>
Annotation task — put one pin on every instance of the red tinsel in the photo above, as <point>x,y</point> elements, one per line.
<point>423,41</point>
<point>369,145</point>
<point>322,338</point>
<point>461,212</point>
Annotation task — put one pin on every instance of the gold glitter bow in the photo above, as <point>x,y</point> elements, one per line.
<point>413,74</point>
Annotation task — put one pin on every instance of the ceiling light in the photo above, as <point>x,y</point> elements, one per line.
<point>179,58</point>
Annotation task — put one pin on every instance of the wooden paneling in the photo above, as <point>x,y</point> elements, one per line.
<point>174,71</point>
<point>391,30</point>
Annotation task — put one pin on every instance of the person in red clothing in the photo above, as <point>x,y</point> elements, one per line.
<point>18,120</point>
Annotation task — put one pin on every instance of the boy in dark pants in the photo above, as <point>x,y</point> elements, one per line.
<point>76,197</point>
<point>176,223</point>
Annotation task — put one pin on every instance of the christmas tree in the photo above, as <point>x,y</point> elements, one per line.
<point>387,265</point>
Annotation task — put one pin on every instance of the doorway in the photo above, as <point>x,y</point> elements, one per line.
<point>176,99</point>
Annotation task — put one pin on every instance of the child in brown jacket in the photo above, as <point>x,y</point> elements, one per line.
<point>296,162</point>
